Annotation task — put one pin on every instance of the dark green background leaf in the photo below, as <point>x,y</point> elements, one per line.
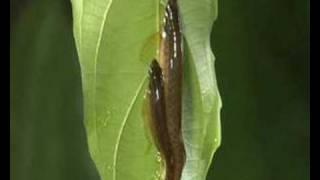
<point>47,137</point>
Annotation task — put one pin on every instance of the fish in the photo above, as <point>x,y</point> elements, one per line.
<point>165,94</point>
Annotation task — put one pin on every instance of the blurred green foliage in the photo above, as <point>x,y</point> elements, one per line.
<point>47,137</point>
<point>262,51</point>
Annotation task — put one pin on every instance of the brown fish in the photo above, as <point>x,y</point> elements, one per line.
<point>166,94</point>
<point>158,114</point>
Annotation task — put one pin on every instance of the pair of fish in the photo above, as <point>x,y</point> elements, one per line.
<point>165,95</point>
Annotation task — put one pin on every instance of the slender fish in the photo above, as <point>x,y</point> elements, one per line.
<point>165,96</point>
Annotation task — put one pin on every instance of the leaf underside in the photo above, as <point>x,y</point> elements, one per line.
<point>110,36</point>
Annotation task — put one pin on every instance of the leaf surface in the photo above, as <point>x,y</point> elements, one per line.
<point>111,38</point>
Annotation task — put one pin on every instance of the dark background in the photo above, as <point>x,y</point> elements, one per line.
<point>262,51</point>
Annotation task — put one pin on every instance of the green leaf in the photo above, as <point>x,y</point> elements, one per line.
<point>110,36</point>
<point>201,102</point>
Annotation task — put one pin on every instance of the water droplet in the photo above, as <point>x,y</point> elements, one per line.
<point>106,118</point>
<point>155,177</point>
<point>204,91</point>
<point>158,156</point>
<point>158,175</point>
<point>109,168</point>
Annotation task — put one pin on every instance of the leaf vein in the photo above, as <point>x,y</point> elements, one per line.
<point>95,63</point>
<point>124,122</point>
